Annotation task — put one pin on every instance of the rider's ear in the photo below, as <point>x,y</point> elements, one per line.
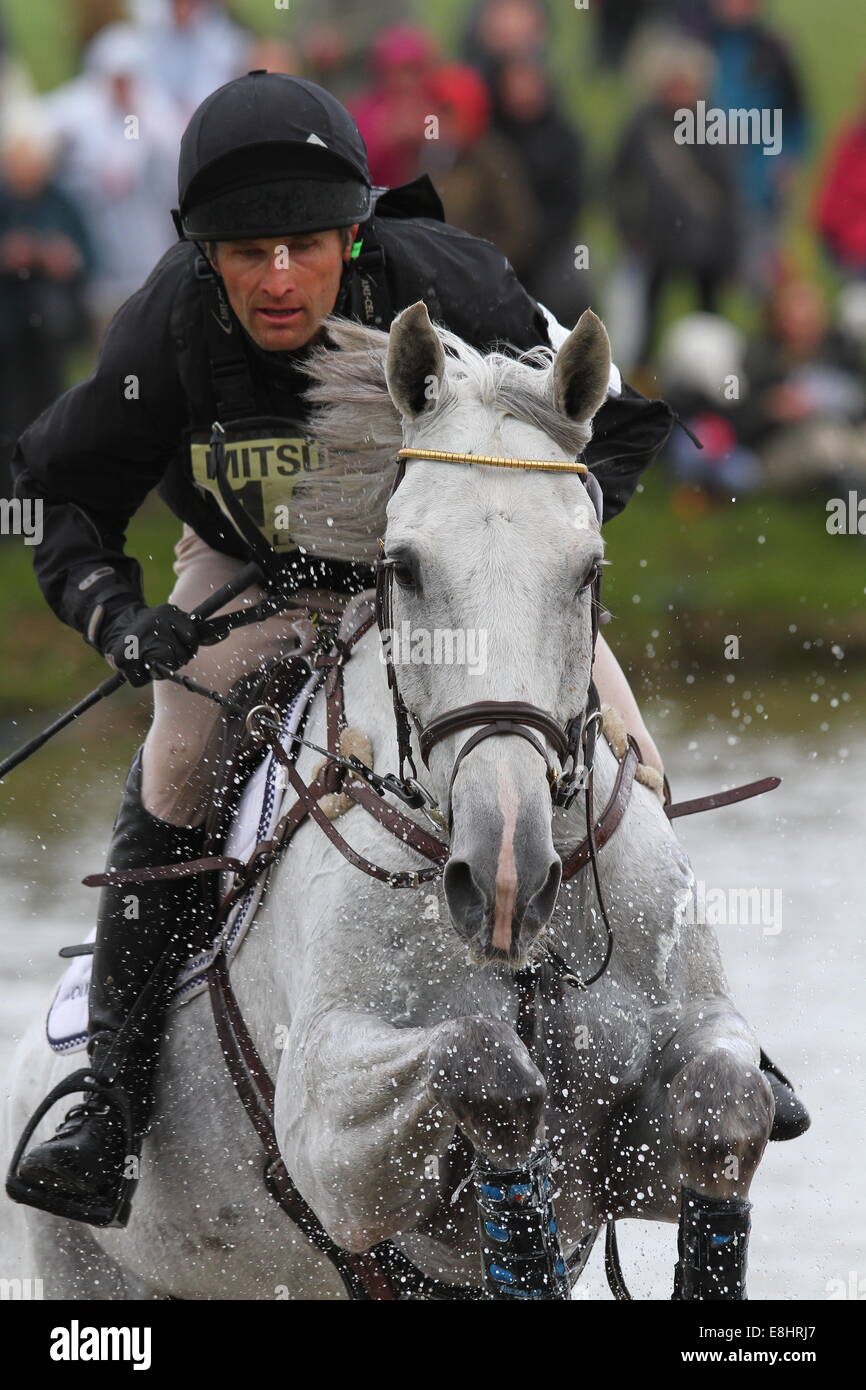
<point>581,369</point>
<point>415,364</point>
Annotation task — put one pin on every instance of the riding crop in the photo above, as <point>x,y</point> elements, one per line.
<point>250,574</point>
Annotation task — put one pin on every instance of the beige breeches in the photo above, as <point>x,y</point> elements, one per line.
<point>182,748</point>
<point>181,751</point>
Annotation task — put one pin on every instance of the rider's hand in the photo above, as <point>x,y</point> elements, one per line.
<point>139,638</point>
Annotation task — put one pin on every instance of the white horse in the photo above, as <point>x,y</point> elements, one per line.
<point>388,1016</point>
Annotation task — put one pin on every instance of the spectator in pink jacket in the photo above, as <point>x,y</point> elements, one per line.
<point>840,212</point>
<point>391,113</point>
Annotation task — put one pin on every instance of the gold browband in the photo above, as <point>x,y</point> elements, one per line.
<point>545,465</point>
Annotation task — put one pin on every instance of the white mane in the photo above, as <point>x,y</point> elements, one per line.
<point>338,512</point>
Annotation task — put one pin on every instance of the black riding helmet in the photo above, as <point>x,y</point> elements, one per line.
<point>270,155</point>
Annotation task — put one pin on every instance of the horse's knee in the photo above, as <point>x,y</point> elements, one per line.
<point>721,1111</point>
<point>481,1071</point>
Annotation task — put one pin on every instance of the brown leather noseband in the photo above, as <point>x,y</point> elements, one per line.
<point>503,717</point>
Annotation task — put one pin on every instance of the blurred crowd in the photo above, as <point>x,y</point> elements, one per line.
<point>87,179</point>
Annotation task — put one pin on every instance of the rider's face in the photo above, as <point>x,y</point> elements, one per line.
<point>282,287</point>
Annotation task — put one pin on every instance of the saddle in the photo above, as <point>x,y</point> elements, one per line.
<point>275,685</point>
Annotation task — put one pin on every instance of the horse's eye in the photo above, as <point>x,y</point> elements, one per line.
<point>403,574</point>
<point>590,577</point>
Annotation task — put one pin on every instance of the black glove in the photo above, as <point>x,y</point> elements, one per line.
<point>138,638</point>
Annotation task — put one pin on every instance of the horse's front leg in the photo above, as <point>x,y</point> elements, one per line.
<point>365,1113</point>
<point>483,1075</point>
<point>719,1108</point>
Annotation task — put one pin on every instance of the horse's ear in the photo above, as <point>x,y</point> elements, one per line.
<point>581,369</point>
<point>415,364</point>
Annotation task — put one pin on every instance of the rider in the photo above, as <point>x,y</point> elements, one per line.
<point>279,227</point>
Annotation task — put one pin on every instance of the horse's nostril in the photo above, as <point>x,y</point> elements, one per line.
<point>539,908</point>
<point>470,907</point>
<point>466,902</point>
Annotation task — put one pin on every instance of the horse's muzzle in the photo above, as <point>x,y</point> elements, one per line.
<point>501,913</point>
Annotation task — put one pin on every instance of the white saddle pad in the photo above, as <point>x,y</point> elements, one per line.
<point>257,815</point>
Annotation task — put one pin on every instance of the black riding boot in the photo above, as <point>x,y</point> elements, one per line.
<point>791,1118</point>
<point>713,1247</point>
<point>145,931</point>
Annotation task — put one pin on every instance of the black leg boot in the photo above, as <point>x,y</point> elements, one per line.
<point>521,1251</point>
<point>88,1170</point>
<point>713,1247</point>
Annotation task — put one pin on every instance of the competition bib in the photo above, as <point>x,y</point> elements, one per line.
<point>262,469</point>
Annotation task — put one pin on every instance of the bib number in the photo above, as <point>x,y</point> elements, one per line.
<point>262,474</point>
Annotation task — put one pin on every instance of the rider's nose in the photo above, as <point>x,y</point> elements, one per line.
<point>279,278</point>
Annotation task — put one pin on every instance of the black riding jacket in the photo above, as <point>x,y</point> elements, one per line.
<point>94,455</point>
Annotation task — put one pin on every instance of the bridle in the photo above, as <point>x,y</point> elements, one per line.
<point>491,718</point>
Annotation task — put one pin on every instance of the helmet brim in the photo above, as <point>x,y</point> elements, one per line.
<point>283,207</point>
